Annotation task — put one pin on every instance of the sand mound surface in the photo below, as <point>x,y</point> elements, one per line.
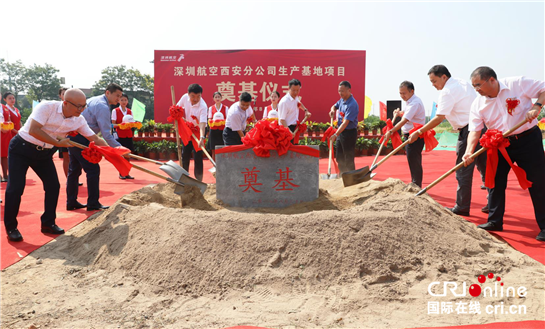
<point>348,255</point>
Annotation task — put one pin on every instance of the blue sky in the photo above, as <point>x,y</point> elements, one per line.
<point>402,39</point>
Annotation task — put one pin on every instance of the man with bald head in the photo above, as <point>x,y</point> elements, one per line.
<point>34,146</point>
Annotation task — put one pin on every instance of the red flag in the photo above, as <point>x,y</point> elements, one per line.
<point>383,111</point>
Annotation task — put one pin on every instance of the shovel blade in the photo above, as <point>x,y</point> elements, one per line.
<point>186,180</point>
<point>327,176</point>
<point>179,189</point>
<point>356,176</point>
<point>173,170</point>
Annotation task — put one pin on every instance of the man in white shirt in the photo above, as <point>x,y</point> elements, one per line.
<point>288,108</point>
<point>503,104</point>
<point>414,113</point>
<point>34,146</point>
<point>454,104</point>
<point>237,118</point>
<point>195,112</point>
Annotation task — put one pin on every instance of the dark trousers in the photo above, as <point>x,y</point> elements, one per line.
<point>21,156</point>
<point>126,142</point>
<point>345,149</point>
<point>527,152</point>
<point>231,137</point>
<point>414,158</point>
<point>187,150</point>
<point>92,170</point>
<point>292,129</point>
<point>464,175</point>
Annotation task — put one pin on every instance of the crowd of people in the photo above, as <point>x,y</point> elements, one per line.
<point>33,145</point>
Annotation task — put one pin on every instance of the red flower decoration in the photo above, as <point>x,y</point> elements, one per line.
<point>176,113</point>
<point>341,114</point>
<point>511,103</point>
<point>268,135</point>
<point>92,154</point>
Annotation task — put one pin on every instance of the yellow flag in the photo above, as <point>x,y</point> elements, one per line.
<point>368,105</point>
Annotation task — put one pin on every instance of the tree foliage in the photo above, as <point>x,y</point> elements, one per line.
<point>13,77</point>
<point>43,82</point>
<point>134,84</point>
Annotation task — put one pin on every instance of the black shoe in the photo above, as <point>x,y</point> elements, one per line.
<point>121,177</point>
<point>541,236</point>
<point>80,184</point>
<point>129,177</point>
<point>15,235</point>
<point>485,209</point>
<point>99,207</point>
<point>4,179</point>
<point>53,229</point>
<point>458,211</point>
<point>483,187</point>
<point>76,206</point>
<point>491,226</point>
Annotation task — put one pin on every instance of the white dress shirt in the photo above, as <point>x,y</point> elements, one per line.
<point>455,102</point>
<point>198,110</point>
<point>49,115</point>
<point>288,110</point>
<point>414,112</point>
<point>236,117</point>
<point>492,112</point>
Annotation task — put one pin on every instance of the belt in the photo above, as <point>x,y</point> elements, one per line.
<point>522,134</point>
<point>460,129</point>
<point>32,146</point>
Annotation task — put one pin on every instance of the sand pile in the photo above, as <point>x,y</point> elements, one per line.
<point>375,242</point>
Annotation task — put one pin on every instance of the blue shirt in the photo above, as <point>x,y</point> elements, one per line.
<point>97,115</point>
<point>350,109</point>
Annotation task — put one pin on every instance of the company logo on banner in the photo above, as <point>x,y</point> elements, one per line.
<point>260,72</point>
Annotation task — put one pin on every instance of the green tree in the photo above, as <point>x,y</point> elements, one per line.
<point>134,84</point>
<point>43,83</point>
<point>13,77</point>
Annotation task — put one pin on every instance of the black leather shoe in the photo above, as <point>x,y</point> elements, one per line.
<point>121,177</point>
<point>491,226</point>
<point>80,184</point>
<point>485,209</point>
<point>76,206</point>
<point>99,207</point>
<point>458,211</point>
<point>129,177</point>
<point>15,235</point>
<point>541,236</point>
<point>483,187</point>
<point>54,229</point>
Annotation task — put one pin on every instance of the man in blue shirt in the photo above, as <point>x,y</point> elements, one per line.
<point>97,115</point>
<point>347,132</point>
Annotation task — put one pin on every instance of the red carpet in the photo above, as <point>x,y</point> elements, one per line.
<point>520,227</point>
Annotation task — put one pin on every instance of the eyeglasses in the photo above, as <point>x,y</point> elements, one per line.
<point>79,107</point>
<point>478,86</point>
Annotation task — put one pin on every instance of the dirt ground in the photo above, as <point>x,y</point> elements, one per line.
<point>361,256</point>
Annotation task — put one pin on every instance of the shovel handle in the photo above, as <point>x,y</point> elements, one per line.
<point>297,129</point>
<point>176,126</point>
<point>378,153</point>
<point>472,156</point>
<point>135,166</point>
<point>134,156</point>
<point>390,154</point>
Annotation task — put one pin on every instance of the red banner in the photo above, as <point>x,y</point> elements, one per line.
<point>260,72</point>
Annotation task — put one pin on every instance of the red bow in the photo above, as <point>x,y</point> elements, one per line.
<point>176,113</point>
<point>429,137</point>
<point>301,127</point>
<point>493,140</point>
<point>511,103</point>
<point>341,114</point>
<point>114,155</point>
<point>327,134</point>
<point>396,139</point>
<point>73,134</point>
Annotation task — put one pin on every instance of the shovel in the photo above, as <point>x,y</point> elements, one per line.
<point>364,174</point>
<point>329,175</point>
<point>461,164</point>
<point>180,182</point>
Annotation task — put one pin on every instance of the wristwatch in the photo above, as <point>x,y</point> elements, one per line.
<point>538,104</point>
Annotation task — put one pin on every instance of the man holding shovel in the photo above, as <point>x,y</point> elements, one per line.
<point>288,108</point>
<point>414,113</point>
<point>347,133</point>
<point>196,112</point>
<point>501,105</point>
<point>454,104</point>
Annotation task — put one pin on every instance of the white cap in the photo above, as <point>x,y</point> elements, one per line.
<point>272,114</point>
<point>218,116</point>
<point>128,118</point>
